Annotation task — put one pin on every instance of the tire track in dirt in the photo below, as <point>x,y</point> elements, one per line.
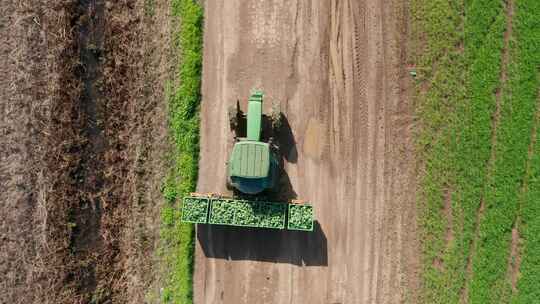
<point>336,67</point>
<point>85,240</point>
<point>369,178</point>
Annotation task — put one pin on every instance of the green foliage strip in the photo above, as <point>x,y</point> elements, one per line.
<point>183,93</point>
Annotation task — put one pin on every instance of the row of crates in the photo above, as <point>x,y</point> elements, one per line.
<point>244,213</point>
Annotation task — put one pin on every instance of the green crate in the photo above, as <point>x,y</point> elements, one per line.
<point>222,212</point>
<point>195,210</point>
<point>247,213</point>
<point>273,215</point>
<point>260,215</point>
<point>300,217</point>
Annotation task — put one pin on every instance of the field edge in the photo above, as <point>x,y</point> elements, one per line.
<point>176,248</point>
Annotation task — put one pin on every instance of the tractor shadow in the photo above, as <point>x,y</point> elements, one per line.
<point>286,191</point>
<point>283,136</point>
<point>286,141</point>
<point>286,149</point>
<point>265,245</point>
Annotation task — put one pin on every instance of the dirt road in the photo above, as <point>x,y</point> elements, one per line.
<point>338,70</point>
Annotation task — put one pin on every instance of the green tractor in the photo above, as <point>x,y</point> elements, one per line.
<point>254,165</point>
<point>253,174</point>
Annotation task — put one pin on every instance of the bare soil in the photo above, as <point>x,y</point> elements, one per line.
<point>338,70</point>
<point>83,133</point>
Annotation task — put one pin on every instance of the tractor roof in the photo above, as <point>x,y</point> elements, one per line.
<point>250,159</point>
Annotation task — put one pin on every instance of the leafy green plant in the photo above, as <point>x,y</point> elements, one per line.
<point>460,62</point>
<point>168,216</point>
<point>529,228</point>
<point>195,210</point>
<point>272,215</point>
<point>506,195</point>
<point>150,7</point>
<point>246,214</point>
<point>183,99</point>
<point>300,217</point>
<point>222,212</point>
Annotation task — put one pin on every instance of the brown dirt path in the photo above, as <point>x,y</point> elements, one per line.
<point>337,68</point>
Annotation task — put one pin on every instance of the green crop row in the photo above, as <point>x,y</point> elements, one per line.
<point>249,214</point>
<point>504,193</point>
<point>183,98</point>
<point>300,217</point>
<point>440,93</point>
<point>525,88</point>
<point>528,286</point>
<point>502,196</point>
<point>484,28</point>
<point>459,67</point>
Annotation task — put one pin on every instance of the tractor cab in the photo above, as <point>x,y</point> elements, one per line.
<point>253,167</point>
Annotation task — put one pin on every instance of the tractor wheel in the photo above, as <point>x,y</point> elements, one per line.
<point>273,143</point>
<point>233,117</point>
<point>228,184</point>
<point>276,116</point>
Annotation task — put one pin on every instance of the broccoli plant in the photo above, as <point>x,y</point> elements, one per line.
<point>272,215</point>
<point>222,212</point>
<point>300,217</point>
<point>195,210</point>
<point>246,214</point>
